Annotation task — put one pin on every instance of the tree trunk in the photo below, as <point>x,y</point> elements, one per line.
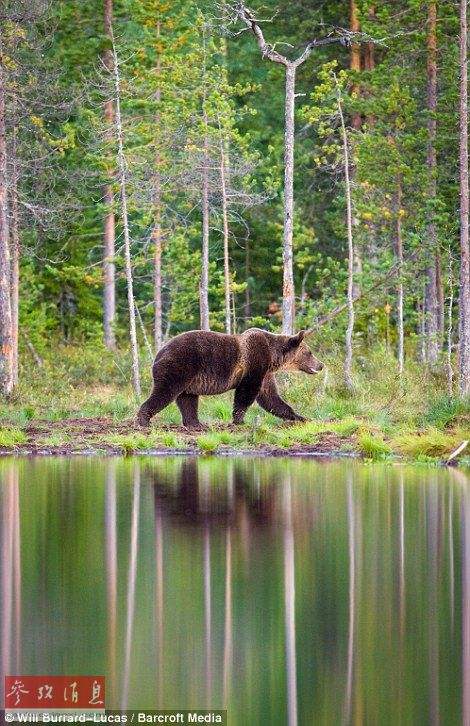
<point>157,231</point>
<point>464,295</point>
<point>369,56</point>
<point>369,63</point>
<point>356,121</point>
<point>109,294</point>
<point>125,224</point>
<point>15,256</point>
<point>247,276</point>
<point>204,281</point>
<point>227,282</point>
<point>349,223</point>
<point>204,284</point>
<point>355,57</point>
<point>431,301</point>
<point>449,368</point>
<point>399,256</point>
<point>157,271</point>
<point>6,332</point>
<point>288,293</point>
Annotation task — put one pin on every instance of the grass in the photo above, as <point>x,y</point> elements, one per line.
<point>137,441</point>
<point>429,443</point>
<point>373,446</point>
<point>383,416</point>
<point>11,437</point>
<point>56,438</point>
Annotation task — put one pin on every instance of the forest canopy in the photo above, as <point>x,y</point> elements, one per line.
<point>170,166</point>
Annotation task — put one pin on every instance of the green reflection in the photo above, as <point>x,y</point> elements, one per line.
<point>289,591</point>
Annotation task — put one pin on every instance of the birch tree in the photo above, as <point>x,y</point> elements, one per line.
<point>431,299</point>
<point>328,114</point>
<point>226,234</point>
<point>464,296</point>
<point>205,209</point>
<point>399,256</point>
<point>6,331</point>
<point>252,24</point>
<point>122,166</point>
<point>109,293</point>
<point>349,226</point>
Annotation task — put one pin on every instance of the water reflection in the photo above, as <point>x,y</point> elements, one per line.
<point>286,591</point>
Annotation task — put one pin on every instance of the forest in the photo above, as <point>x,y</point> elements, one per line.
<point>173,166</point>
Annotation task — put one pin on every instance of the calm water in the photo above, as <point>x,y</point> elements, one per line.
<point>287,591</point>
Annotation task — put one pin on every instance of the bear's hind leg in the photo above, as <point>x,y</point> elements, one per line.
<point>245,394</point>
<point>187,404</point>
<point>162,395</point>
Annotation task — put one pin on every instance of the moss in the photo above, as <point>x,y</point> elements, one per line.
<point>430,443</point>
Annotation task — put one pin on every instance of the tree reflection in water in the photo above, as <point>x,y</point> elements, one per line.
<point>287,591</point>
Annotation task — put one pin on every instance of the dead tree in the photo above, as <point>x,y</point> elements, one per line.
<point>125,224</point>
<point>252,24</point>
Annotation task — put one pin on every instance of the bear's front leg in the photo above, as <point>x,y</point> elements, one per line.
<point>269,399</point>
<point>245,395</point>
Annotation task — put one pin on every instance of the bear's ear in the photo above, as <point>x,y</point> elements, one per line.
<point>295,340</point>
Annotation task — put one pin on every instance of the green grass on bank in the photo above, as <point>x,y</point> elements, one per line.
<point>384,416</point>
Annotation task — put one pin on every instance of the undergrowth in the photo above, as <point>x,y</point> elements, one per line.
<point>383,416</point>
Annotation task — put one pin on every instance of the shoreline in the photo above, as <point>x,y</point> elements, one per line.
<point>101,436</point>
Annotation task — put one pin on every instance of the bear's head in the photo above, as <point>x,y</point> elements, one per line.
<point>297,356</point>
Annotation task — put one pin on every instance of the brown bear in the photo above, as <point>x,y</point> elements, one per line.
<point>202,363</point>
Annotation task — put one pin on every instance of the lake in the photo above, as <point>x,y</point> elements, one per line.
<point>289,591</point>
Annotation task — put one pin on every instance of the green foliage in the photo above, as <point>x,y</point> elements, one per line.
<point>373,446</point>
<point>10,437</point>
<point>445,411</point>
<point>430,443</point>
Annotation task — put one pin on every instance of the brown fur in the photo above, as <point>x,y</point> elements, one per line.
<point>201,363</point>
